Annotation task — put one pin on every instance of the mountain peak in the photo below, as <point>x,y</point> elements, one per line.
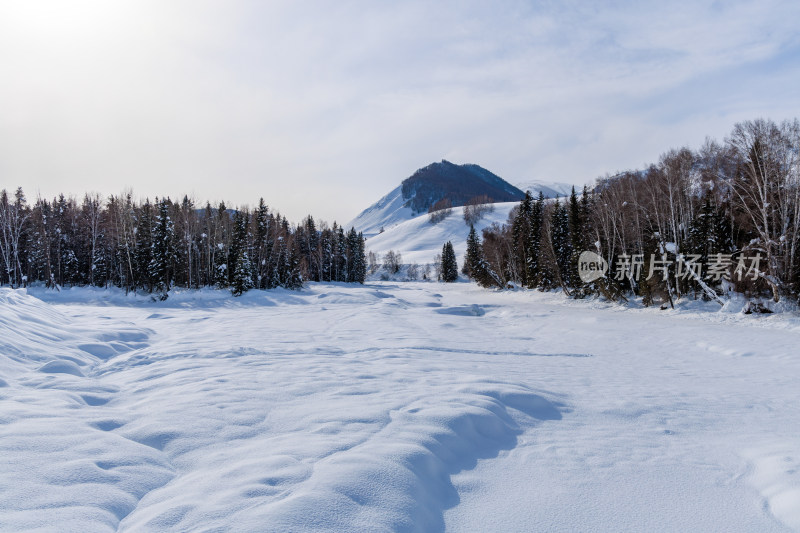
<point>426,186</point>
<point>456,183</point>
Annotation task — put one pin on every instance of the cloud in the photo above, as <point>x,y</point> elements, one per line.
<point>322,107</point>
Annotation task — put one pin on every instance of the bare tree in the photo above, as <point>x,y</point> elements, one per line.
<point>440,211</point>
<point>392,261</point>
<point>476,208</point>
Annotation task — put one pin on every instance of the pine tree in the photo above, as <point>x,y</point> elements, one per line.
<point>261,248</point>
<point>562,250</point>
<point>162,255</point>
<point>144,247</point>
<point>242,268</point>
<point>356,257</point>
<point>475,265</point>
<point>474,255</point>
<point>449,263</point>
<point>221,251</point>
<point>520,231</point>
<point>340,265</point>
<point>310,248</point>
<point>243,275</point>
<point>534,243</point>
<point>361,267</point>
<point>294,278</point>
<point>577,240</point>
<point>326,255</point>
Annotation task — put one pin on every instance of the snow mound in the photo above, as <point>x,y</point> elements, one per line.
<point>462,310</point>
<point>61,367</point>
<point>397,479</point>
<point>775,472</point>
<point>63,469</point>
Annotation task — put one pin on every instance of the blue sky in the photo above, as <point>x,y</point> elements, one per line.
<point>323,107</point>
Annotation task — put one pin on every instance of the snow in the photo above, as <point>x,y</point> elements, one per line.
<point>393,407</point>
<point>391,211</point>
<point>383,214</point>
<point>549,189</point>
<point>418,241</point>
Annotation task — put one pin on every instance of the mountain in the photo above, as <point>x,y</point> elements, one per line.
<point>457,183</point>
<point>417,193</point>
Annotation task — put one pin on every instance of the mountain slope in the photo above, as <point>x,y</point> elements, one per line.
<point>385,213</point>
<point>418,241</point>
<point>549,189</point>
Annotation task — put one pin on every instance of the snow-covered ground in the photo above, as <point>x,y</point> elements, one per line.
<point>393,407</point>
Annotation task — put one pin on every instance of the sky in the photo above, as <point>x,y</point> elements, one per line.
<point>323,107</point>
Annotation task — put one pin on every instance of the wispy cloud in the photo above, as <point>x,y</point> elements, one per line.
<point>322,106</point>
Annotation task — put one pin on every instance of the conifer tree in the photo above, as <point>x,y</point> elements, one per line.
<point>534,243</point>
<point>520,231</point>
<point>356,257</point>
<point>326,255</point>
<point>294,278</point>
<point>474,255</point>
<point>162,255</point>
<point>243,275</point>
<point>242,269</point>
<point>577,240</point>
<point>475,265</point>
<point>340,265</point>
<point>361,267</point>
<point>144,246</point>
<point>221,242</point>
<point>449,263</point>
<point>562,250</point>
<point>261,248</point>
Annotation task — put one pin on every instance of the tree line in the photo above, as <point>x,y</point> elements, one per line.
<point>698,219</point>
<point>154,246</point>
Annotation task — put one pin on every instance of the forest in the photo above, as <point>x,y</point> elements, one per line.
<point>154,246</point>
<point>700,223</point>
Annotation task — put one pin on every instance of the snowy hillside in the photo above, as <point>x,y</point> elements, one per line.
<point>383,214</point>
<point>549,189</point>
<point>394,209</point>
<point>418,241</point>
<point>413,407</point>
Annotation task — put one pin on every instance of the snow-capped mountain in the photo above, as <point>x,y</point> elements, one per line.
<point>418,240</point>
<point>417,193</point>
<point>457,183</point>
